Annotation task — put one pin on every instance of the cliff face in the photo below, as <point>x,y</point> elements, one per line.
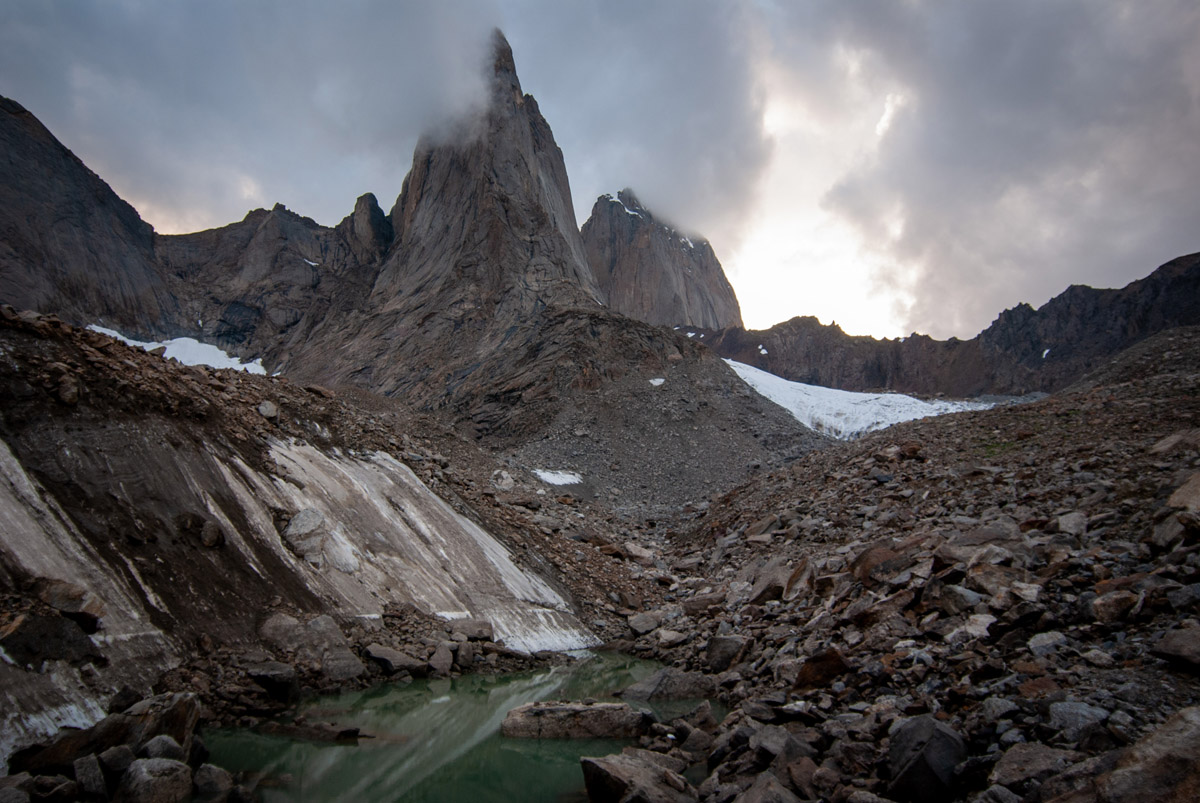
<point>472,298</point>
<point>649,271</point>
<point>67,242</point>
<point>1024,349</point>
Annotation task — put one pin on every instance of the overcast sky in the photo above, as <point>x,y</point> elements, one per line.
<point>892,166</point>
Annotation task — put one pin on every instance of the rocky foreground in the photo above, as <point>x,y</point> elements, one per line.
<point>994,606</point>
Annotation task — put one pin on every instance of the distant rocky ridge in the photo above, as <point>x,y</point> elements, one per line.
<point>1024,349</point>
<point>654,273</point>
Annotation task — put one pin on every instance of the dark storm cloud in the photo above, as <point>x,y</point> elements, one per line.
<point>1041,144</point>
<point>198,111</point>
<point>1032,144</point>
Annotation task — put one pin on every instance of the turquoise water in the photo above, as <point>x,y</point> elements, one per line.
<point>435,740</point>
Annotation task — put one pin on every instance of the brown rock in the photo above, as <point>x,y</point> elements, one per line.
<point>574,721</point>
<point>821,669</point>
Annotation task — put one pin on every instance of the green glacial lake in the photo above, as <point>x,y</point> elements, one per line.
<point>435,740</point>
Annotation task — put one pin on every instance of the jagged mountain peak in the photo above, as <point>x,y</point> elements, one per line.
<point>651,271</point>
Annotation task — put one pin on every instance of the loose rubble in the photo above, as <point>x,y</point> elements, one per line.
<point>993,606</point>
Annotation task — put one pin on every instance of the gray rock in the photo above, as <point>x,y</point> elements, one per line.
<point>162,746</point>
<point>115,760</point>
<point>1026,765</point>
<point>670,638</point>
<point>1164,766</point>
<point>156,780</point>
<point>474,629</point>
<point>643,623</point>
<point>1047,643</point>
<point>996,794</point>
<point>268,410</point>
<point>722,651</point>
<point>442,660</point>
<point>575,721</point>
<point>278,679</point>
<point>1072,717</point>
<point>996,708</point>
<point>922,756</point>
<point>30,639</point>
<point>1184,598</point>
<point>1181,647</point>
<point>211,783</point>
<point>90,776</point>
<point>766,789</point>
<point>392,661</point>
<point>623,777</point>
<point>774,746</point>
<point>340,664</point>
<point>1074,523</point>
<point>11,794</point>
<point>670,683</point>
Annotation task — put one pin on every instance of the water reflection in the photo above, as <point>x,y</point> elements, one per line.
<point>435,740</point>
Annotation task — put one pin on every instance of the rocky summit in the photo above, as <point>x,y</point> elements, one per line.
<point>648,270</point>
<point>487,439</point>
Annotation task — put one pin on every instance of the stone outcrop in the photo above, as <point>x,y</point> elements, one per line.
<point>650,271</point>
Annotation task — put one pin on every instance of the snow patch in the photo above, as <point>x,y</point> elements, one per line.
<point>761,350</point>
<point>844,414</point>
<point>691,334</point>
<point>1044,353</point>
<point>189,352</point>
<point>628,211</point>
<point>558,477</point>
<point>310,262</point>
<point>657,381</point>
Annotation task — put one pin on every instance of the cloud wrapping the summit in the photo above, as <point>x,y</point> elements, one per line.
<point>893,166</point>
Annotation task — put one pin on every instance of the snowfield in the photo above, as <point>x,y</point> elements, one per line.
<point>557,477</point>
<point>844,414</point>
<point>189,352</point>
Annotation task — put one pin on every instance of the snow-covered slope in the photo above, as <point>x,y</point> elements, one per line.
<point>189,352</point>
<point>841,413</point>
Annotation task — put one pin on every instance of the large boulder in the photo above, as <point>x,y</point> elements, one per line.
<point>628,778</point>
<point>922,756</point>
<point>673,684</point>
<point>724,651</point>
<point>174,715</point>
<point>575,721</point>
<point>156,780</point>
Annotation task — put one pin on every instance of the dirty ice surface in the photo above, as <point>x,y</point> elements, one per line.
<point>557,477</point>
<point>189,352</point>
<point>844,414</point>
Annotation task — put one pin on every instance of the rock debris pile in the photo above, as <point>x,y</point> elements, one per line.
<point>995,606</point>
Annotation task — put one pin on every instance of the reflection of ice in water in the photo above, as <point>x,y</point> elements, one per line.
<point>415,732</point>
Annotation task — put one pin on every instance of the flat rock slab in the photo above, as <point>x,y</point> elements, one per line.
<point>1030,763</point>
<point>575,721</point>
